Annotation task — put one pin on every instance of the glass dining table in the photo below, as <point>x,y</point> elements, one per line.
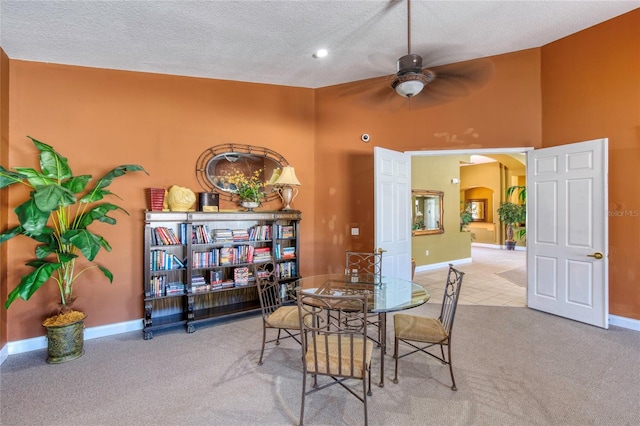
<point>385,294</point>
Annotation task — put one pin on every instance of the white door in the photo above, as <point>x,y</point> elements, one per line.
<point>392,200</point>
<point>567,231</point>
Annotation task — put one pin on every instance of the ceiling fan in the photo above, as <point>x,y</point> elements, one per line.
<point>445,82</point>
<point>411,77</point>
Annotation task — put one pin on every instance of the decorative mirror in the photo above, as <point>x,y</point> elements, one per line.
<point>478,210</point>
<point>218,162</point>
<point>428,212</point>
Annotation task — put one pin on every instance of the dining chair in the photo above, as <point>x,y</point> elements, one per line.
<point>416,331</point>
<point>275,315</point>
<point>364,262</point>
<point>367,264</point>
<point>333,347</point>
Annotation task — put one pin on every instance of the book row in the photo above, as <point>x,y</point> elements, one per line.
<point>284,252</point>
<point>286,270</point>
<point>161,260</point>
<point>224,256</point>
<point>161,286</point>
<point>201,234</point>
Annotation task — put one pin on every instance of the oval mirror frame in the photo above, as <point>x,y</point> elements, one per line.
<point>428,212</point>
<point>218,161</point>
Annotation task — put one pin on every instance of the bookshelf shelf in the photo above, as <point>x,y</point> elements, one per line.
<point>201,266</point>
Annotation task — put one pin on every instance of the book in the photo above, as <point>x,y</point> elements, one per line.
<point>241,276</point>
<point>227,255</point>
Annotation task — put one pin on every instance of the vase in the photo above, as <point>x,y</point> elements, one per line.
<point>65,342</point>
<point>250,205</point>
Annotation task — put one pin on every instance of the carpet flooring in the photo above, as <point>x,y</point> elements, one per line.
<point>513,366</point>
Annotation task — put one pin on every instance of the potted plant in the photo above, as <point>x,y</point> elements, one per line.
<point>512,215</point>
<point>521,190</point>
<point>466,217</point>
<point>249,189</point>
<point>57,215</point>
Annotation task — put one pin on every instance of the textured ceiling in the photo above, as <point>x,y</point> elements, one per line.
<point>273,41</point>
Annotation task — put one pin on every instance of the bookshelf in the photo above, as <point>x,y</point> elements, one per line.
<point>200,266</point>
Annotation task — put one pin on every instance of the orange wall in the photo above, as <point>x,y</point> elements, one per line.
<point>591,89</point>
<point>103,118</point>
<point>504,113</point>
<point>4,150</point>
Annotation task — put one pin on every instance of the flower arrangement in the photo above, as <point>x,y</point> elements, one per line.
<point>248,188</point>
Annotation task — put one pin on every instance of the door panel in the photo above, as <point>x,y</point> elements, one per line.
<point>392,199</point>
<point>567,224</point>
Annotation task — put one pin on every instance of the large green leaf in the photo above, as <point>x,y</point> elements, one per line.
<point>32,219</point>
<point>88,242</point>
<point>99,212</point>
<point>77,184</point>
<point>10,233</point>
<point>50,197</point>
<point>118,171</point>
<point>8,177</point>
<point>107,273</point>
<point>49,244</point>
<point>32,281</point>
<point>34,177</point>
<point>96,195</point>
<point>52,164</point>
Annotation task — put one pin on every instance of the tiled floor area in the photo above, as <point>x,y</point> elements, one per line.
<point>481,284</point>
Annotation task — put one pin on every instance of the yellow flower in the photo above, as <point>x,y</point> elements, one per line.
<point>248,188</point>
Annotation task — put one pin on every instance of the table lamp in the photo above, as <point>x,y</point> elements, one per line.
<point>285,186</point>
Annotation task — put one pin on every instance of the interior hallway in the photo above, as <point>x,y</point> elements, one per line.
<point>481,284</point>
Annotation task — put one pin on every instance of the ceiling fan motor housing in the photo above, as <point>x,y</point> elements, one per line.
<point>410,63</point>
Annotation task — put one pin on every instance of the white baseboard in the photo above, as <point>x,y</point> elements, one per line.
<point>36,343</point>
<point>433,266</point>
<point>4,353</point>
<point>630,323</point>
<point>497,246</point>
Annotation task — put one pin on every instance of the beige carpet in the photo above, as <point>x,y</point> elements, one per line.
<point>513,366</point>
<point>517,276</point>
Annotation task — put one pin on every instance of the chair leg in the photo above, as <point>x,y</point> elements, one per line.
<point>453,387</point>
<point>304,391</point>
<point>278,338</point>
<point>364,395</point>
<point>264,340</point>
<point>395,357</point>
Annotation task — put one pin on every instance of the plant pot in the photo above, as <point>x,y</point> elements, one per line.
<point>65,342</point>
<point>511,245</point>
<point>250,205</point>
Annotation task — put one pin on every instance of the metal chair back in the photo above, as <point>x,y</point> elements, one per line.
<point>334,341</point>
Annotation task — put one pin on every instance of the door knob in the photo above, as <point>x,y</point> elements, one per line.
<point>381,250</point>
<point>597,255</point>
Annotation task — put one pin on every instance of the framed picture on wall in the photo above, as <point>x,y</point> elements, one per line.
<point>478,210</point>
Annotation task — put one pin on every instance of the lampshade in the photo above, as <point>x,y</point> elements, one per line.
<point>287,177</point>
<point>274,176</point>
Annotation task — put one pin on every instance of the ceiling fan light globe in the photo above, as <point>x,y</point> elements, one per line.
<point>409,88</point>
<point>409,85</point>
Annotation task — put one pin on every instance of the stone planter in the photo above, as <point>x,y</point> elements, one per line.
<point>65,342</point>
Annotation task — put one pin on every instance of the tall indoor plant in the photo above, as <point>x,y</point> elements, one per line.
<point>521,190</point>
<point>511,214</point>
<point>57,215</point>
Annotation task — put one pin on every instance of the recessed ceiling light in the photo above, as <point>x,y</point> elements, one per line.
<point>320,53</point>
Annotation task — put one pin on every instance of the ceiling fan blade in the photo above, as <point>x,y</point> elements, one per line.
<point>461,78</point>
<point>454,81</point>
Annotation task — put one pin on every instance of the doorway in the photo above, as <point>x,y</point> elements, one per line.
<point>483,178</point>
